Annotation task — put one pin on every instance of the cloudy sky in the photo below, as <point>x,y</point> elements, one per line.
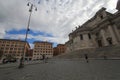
<point>53,20</point>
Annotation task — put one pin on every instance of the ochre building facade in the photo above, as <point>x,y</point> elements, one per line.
<point>42,48</point>
<point>15,48</point>
<point>60,49</point>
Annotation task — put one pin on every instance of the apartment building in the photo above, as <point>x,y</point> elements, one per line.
<point>29,55</point>
<point>59,49</point>
<point>15,48</point>
<point>42,48</point>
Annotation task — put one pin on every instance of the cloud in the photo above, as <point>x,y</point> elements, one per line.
<point>2,33</point>
<point>37,38</point>
<point>55,17</point>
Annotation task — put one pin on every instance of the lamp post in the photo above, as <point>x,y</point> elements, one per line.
<point>21,65</point>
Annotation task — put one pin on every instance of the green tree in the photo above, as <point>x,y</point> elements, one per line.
<point>1,54</point>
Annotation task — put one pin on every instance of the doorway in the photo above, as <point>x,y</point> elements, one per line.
<point>109,41</point>
<point>99,43</point>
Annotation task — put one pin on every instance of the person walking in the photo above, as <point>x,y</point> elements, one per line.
<point>44,58</point>
<point>86,57</point>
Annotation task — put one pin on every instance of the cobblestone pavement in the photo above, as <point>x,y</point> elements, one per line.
<point>65,70</point>
<point>9,65</point>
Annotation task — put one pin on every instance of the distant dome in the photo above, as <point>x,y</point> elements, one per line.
<point>118,5</point>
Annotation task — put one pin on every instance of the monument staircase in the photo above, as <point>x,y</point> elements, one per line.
<point>108,52</point>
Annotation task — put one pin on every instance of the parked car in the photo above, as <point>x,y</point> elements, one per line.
<point>10,60</point>
<point>4,61</point>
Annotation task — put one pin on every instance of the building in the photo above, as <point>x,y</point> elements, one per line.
<point>103,29</point>
<point>118,5</point>
<point>29,54</point>
<point>60,49</point>
<point>55,51</point>
<point>15,48</point>
<point>42,48</point>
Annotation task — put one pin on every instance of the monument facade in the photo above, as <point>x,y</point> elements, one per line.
<point>101,30</point>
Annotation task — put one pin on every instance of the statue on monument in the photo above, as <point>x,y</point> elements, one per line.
<point>118,5</point>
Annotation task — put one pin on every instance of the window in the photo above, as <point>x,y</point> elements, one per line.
<point>2,48</point>
<point>18,55</point>
<point>15,45</point>
<point>81,37</point>
<point>15,48</point>
<point>101,16</point>
<point>12,45</point>
<point>7,48</point>
<point>3,45</point>
<point>11,48</point>
<point>10,52</point>
<point>89,35</point>
<point>5,51</point>
<point>7,45</point>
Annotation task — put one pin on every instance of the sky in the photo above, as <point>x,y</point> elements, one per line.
<point>53,20</point>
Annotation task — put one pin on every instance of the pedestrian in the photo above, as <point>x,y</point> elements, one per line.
<point>21,63</point>
<point>44,59</point>
<point>86,57</point>
<point>43,56</point>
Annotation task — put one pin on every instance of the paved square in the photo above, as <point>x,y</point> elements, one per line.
<point>65,70</point>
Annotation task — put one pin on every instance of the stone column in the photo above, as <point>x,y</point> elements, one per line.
<point>102,32</point>
<point>117,32</point>
<point>95,44</point>
<point>114,39</point>
<point>86,40</point>
<point>78,42</point>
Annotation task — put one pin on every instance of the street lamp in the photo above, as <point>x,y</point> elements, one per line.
<point>21,65</point>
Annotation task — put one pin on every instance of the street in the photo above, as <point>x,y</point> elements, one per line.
<point>65,70</point>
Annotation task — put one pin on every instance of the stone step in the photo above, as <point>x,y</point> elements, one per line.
<point>109,51</point>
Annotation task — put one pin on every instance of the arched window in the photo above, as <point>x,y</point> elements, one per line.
<point>89,35</point>
<point>101,16</point>
<point>81,37</point>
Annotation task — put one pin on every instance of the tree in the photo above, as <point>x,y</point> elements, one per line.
<point>1,54</point>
